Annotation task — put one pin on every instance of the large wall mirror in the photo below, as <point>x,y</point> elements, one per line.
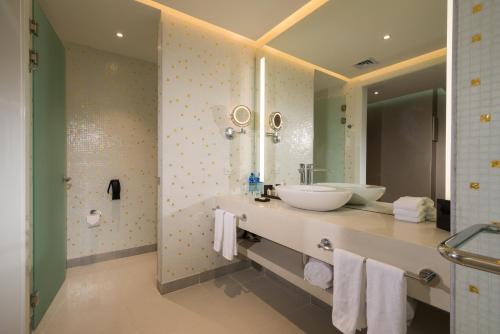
<point>366,105</point>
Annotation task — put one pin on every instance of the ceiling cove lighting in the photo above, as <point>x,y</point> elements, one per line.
<point>119,35</point>
<point>434,56</point>
<point>196,21</point>
<point>290,21</point>
<point>310,6</point>
<point>262,115</point>
<point>386,37</point>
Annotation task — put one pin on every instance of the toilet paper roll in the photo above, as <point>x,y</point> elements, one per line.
<point>94,218</point>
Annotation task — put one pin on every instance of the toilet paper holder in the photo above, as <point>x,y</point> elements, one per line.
<point>95,212</point>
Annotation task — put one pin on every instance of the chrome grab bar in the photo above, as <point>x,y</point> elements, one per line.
<point>425,276</point>
<point>243,217</point>
<point>449,249</point>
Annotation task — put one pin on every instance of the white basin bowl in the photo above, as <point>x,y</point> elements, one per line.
<point>315,198</point>
<point>361,193</point>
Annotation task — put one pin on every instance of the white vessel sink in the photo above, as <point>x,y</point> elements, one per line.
<point>361,193</point>
<point>313,197</point>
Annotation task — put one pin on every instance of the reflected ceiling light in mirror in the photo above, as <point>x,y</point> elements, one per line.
<point>302,62</point>
<point>262,115</point>
<point>119,34</point>
<point>410,65</point>
<point>386,37</point>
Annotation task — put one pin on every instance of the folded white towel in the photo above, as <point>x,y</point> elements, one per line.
<point>349,292</point>
<point>412,203</point>
<point>410,213</point>
<point>431,214</point>
<point>410,219</point>
<point>218,229</point>
<point>385,298</point>
<point>318,273</point>
<point>229,242</point>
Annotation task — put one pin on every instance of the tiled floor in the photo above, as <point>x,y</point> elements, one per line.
<point>120,296</point>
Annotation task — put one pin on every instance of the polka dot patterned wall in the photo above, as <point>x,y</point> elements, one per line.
<point>112,133</point>
<point>203,76</point>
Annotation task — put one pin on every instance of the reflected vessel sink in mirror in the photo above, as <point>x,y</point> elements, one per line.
<point>361,193</point>
<point>313,197</point>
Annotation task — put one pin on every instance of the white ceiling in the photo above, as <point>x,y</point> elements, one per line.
<point>251,19</point>
<point>344,32</point>
<point>95,22</point>
<point>335,36</point>
<point>429,78</point>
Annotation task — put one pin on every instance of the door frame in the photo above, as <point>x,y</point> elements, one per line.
<point>15,208</point>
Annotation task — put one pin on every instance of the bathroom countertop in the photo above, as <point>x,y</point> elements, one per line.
<point>380,224</point>
<point>378,236</point>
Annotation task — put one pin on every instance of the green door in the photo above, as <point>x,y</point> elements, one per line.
<point>49,166</point>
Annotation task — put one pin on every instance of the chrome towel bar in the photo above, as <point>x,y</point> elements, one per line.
<point>449,249</point>
<point>425,276</point>
<point>243,217</point>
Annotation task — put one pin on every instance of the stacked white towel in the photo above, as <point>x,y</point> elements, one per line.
<point>414,209</point>
<point>318,273</point>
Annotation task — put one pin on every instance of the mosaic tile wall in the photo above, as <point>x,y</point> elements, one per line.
<point>112,133</point>
<point>477,303</point>
<point>289,90</point>
<point>203,76</point>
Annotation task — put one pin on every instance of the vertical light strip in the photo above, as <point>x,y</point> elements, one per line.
<point>262,115</point>
<point>449,99</point>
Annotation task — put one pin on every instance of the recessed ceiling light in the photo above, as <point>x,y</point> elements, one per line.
<point>375,92</point>
<point>119,35</point>
<point>386,37</point>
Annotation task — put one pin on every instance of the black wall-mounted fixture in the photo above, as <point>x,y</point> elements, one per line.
<point>443,214</point>
<point>114,186</point>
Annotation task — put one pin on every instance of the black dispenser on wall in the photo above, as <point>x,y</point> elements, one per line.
<point>115,187</point>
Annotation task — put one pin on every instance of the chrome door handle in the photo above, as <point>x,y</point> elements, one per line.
<point>450,249</point>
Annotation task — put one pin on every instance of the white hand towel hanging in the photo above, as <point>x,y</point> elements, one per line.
<point>218,229</point>
<point>385,298</point>
<point>349,311</point>
<point>229,244</point>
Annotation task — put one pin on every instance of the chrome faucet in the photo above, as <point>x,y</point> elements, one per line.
<point>306,173</point>
<point>309,173</point>
<point>302,173</point>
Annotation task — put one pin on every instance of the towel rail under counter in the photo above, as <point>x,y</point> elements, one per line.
<point>243,217</point>
<point>425,276</point>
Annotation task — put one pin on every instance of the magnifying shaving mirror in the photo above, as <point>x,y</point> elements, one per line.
<point>240,116</point>
<point>275,123</point>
